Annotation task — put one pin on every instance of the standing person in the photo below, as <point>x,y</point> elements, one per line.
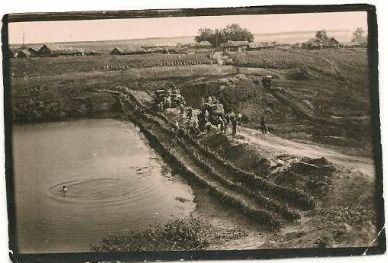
<point>189,113</point>
<point>195,124</point>
<point>208,127</point>
<point>234,126</point>
<point>64,190</point>
<point>176,127</point>
<point>226,122</point>
<point>239,118</point>
<point>263,125</point>
<point>207,114</point>
<point>232,115</point>
<point>220,124</point>
<point>181,109</point>
<point>202,103</point>
<point>161,106</point>
<point>227,119</point>
<point>167,102</point>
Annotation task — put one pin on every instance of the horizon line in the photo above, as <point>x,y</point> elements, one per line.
<point>149,38</point>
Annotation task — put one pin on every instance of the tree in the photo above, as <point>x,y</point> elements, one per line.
<point>322,35</point>
<point>218,36</point>
<point>204,34</point>
<point>358,35</point>
<point>236,33</point>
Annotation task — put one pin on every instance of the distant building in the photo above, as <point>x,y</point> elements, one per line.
<point>268,45</point>
<point>131,50</point>
<point>22,54</point>
<point>313,43</point>
<point>238,46</point>
<point>46,50</point>
<point>11,53</point>
<point>360,42</point>
<point>33,51</point>
<point>198,47</point>
<point>332,43</point>
<point>170,50</point>
<point>159,48</point>
<point>117,51</point>
<point>296,45</point>
<point>50,50</point>
<point>354,44</point>
<point>284,46</point>
<point>263,45</point>
<point>205,44</point>
<point>254,46</point>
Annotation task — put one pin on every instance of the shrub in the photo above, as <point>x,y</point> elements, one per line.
<point>178,234</point>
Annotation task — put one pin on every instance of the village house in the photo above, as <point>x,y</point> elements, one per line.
<point>284,46</point>
<point>33,52</point>
<point>313,43</point>
<point>204,44</point>
<point>296,45</point>
<point>11,53</point>
<point>198,47</point>
<point>22,54</point>
<point>332,43</point>
<point>262,45</point>
<point>361,42</point>
<point>162,48</point>
<point>46,50</point>
<point>50,50</point>
<point>238,46</point>
<point>268,45</point>
<point>254,46</point>
<point>117,51</point>
<point>131,50</point>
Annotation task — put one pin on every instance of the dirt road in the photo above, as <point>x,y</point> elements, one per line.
<point>274,147</point>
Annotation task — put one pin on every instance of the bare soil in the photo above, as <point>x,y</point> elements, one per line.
<point>345,216</point>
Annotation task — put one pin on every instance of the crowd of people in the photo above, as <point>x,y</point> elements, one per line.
<point>169,98</point>
<point>210,117</point>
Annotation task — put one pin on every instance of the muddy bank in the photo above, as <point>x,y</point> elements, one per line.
<point>339,221</point>
<point>42,104</point>
<point>345,190</point>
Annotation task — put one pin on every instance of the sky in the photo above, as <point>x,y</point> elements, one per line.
<point>138,28</point>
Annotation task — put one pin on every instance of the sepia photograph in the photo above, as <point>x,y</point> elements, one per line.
<point>243,129</point>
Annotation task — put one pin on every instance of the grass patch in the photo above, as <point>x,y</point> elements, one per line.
<point>179,234</point>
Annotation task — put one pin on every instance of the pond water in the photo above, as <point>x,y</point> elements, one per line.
<point>115,182</point>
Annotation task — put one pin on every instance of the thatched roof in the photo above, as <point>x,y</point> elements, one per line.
<point>33,49</point>
<point>204,44</point>
<point>116,51</point>
<point>157,45</point>
<point>235,44</point>
<point>51,47</point>
<point>128,50</point>
<point>11,53</point>
<point>58,50</point>
<point>22,53</point>
<point>315,40</point>
<point>154,49</point>
<point>332,40</point>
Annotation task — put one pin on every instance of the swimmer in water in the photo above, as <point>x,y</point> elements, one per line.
<point>64,190</point>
